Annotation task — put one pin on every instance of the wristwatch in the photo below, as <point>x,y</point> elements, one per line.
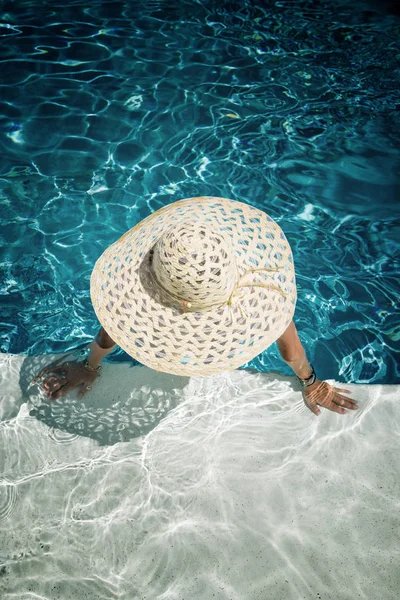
<point>308,380</point>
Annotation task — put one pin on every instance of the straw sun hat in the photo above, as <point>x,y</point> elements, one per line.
<point>201,286</point>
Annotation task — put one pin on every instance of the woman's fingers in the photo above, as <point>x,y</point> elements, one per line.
<point>314,408</point>
<point>336,408</point>
<point>55,380</point>
<point>52,367</point>
<point>339,405</point>
<point>342,391</point>
<point>328,397</point>
<point>85,388</point>
<point>40,375</point>
<point>63,390</point>
<point>51,384</point>
<point>345,402</point>
<point>49,372</point>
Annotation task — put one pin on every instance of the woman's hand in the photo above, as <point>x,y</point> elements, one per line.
<point>56,381</point>
<point>321,393</point>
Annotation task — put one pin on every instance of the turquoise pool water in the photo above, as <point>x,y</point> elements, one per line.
<point>110,112</point>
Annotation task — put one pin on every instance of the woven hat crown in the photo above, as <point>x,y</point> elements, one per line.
<point>195,264</point>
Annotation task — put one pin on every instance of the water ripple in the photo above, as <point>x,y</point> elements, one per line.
<point>111,111</point>
<point>8,499</point>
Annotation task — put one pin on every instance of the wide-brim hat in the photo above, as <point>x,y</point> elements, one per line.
<point>200,286</point>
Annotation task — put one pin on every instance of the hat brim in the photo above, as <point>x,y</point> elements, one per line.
<point>156,333</point>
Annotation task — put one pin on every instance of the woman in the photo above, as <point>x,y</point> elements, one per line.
<point>199,287</point>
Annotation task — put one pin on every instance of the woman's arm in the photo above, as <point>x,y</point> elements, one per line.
<point>319,393</point>
<point>293,352</point>
<point>99,348</point>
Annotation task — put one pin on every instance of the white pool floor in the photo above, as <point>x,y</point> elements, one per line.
<point>157,487</point>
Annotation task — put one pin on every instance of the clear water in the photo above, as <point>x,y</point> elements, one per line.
<point>111,111</point>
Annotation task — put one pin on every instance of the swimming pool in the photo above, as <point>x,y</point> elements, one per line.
<point>160,487</point>
<point>111,111</point>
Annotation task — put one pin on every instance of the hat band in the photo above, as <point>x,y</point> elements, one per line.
<point>266,286</point>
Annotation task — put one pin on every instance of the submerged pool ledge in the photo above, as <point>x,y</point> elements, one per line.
<point>224,487</point>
